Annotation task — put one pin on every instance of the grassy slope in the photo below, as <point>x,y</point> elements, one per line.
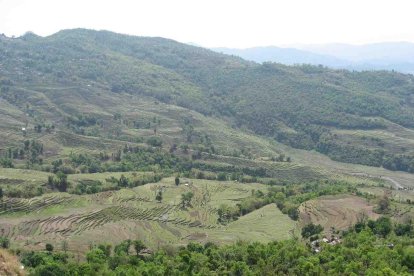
<point>134,213</point>
<point>80,68</point>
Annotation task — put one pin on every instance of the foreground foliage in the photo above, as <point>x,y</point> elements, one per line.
<point>361,252</point>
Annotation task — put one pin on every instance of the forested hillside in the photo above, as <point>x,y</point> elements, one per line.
<point>171,154</point>
<point>48,80</point>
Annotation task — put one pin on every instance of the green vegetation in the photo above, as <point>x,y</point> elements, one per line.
<point>311,229</point>
<point>360,252</point>
<point>303,106</point>
<point>186,161</point>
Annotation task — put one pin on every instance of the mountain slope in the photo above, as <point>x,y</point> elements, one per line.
<point>55,79</point>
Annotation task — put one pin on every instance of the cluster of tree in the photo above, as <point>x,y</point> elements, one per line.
<point>310,230</point>
<point>281,158</point>
<point>87,163</point>
<point>154,141</point>
<point>383,205</point>
<point>186,199</point>
<point>88,187</point>
<point>232,172</point>
<point>31,150</point>
<point>287,198</point>
<point>47,127</point>
<point>365,156</point>
<point>21,191</point>
<point>228,213</point>
<point>383,227</point>
<point>399,162</point>
<point>59,182</point>
<point>80,122</point>
<point>361,252</point>
<point>6,163</point>
<point>95,186</point>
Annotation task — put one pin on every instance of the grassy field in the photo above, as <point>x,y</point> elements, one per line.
<point>113,216</point>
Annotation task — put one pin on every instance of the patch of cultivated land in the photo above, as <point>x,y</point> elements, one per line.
<point>113,216</point>
<point>397,195</point>
<point>324,164</point>
<point>339,212</point>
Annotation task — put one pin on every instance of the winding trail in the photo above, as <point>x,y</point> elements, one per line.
<point>396,183</point>
<point>389,179</point>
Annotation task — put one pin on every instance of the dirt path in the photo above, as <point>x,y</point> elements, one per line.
<point>397,184</point>
<point>389,179</point>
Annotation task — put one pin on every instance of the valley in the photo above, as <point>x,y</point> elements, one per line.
<point>115,141</point>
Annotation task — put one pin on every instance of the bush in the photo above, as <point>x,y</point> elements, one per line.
<point>4,242</point>
<point>311,229</point>
<point>154,141</point>
<point>49,247</point>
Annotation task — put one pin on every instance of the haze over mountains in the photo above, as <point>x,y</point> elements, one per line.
<point>398,56</point>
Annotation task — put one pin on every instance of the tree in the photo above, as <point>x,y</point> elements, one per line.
<point>403,229</point>
<point>383,226</point>
<point>50,181</point>
<point>123,248</point>
<point>158,197</point>
<point>222,176</point>
<point>138,246</point>
<point>65,246</point>
<point>177,181</point>
<point>123,181</point>
<point>293,213</point>
<point>154,141</point>
<point>184,148</point>
<point>408,258</point>
<point>106,248</point>
<point>4,242</point>
<point>311,229</point>
<point>49,247</point>
<point>96,256</point>
<point>38,128</point>
<point>6,163</point>
<point>384,205</point>
<point>1,194</point>
<point>186,199</point>
<point>227,214</point>
<point>62,181</point>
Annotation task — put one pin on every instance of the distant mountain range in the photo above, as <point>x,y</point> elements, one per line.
<point>398,56</point>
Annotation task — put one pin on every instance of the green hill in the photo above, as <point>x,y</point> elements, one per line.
<point>78,80</point>
<point>112,137</point>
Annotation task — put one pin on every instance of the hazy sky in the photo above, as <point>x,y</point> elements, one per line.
<point>214,23</point>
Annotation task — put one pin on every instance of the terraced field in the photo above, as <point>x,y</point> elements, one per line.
<point>112,215</point>
<point>339,212</point>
